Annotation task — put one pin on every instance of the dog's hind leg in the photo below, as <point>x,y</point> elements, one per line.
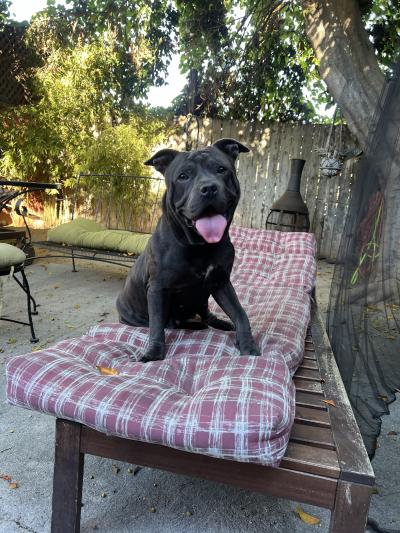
<point>219,323</point>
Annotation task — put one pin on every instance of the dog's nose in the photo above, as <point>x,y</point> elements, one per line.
<point>208,190</point>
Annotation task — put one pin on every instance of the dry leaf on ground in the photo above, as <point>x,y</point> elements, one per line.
<point>115,468</point>
<point>307,518</point>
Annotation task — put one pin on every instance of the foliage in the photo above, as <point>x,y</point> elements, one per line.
<point>56,136</point>
<point>4,11</point>
<point>253,59</point>
<point>142,35</point>
<point>382,20</point>
<point>122,149</point>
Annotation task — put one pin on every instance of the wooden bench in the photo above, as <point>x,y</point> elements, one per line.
<point>325,464</point>
<point>117,202</point>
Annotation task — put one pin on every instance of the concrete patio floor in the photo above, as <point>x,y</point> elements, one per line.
<point>117,498</point>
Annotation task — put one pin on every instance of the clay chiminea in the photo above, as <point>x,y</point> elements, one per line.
<point>290,213</point>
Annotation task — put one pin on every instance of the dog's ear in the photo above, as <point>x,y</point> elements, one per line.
<point>162,159</point>
<point>231,147</point>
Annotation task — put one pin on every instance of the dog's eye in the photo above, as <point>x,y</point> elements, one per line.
<point>221,170</point>
<point>183,177</point>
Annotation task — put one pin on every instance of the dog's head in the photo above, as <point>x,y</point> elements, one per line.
<point>202,188</point>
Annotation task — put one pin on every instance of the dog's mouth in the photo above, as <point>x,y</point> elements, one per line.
<point>210,225</point>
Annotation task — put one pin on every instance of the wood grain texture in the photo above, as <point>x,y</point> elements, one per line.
<point>280,482</point>
<point>352,455</point>
<point>351,508</point>
<point>68,476</point>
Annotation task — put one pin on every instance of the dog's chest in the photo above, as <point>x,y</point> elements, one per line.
<point>209,275</point>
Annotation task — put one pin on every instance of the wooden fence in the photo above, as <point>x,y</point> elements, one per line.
<point>264,172</point>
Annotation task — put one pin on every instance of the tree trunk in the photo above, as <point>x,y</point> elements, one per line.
<point>348,64</point>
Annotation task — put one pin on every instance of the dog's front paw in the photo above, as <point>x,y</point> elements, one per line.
<point>155,352</point>
<point>248,347</point>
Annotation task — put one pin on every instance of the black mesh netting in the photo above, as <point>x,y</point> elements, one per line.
<point>364,313</point>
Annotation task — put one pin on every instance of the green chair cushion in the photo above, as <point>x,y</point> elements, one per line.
<point>10,255</point>
<point>90,234</point>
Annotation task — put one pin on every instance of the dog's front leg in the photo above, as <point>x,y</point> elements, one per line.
<point>156,308</point>
<point>227,299</point>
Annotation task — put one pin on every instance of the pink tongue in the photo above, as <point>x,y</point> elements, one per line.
<point>211,228</point>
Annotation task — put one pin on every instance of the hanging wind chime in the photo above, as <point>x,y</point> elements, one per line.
<point>332,158</point>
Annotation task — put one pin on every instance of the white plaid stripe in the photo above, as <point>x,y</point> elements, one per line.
<point>204,397</point>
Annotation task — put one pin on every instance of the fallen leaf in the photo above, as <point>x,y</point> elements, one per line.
<point>307,518</point>
<point>188,513</point>
<point>70,326</point>
<point>383,397</point>
<point>105,371</point>
<point>393,433</point>
<point>116,469</point>
<point>5,477</point>
<point>152,509</point>
<point>12,340</point>
<point>13,485</point>
<point>371,307</point>
<point>104,494</point>
<point>330,402</point>
<point>77,306</point>
<point>135,470</point>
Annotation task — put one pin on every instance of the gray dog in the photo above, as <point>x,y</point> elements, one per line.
<point>190,256</point>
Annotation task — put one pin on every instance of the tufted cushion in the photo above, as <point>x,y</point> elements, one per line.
<point>87,233</point>
<point>10,256</point>
<point>203,397</point>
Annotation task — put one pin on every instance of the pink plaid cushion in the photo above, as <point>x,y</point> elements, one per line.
<point>203,398</point>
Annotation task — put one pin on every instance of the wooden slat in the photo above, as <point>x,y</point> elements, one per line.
<point>310,364</point>
<point>352,456</point>
<point>315,417</point>
<point>308,399</point>
<point>312,436</point>
<point>308,373</point>
<point>307,386</point>
<point>281,482</point>
<point>311,459</point>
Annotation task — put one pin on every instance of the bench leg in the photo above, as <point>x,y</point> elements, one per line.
<point>73,261</point>
<point>67,481</point>
<point>351,508</point>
